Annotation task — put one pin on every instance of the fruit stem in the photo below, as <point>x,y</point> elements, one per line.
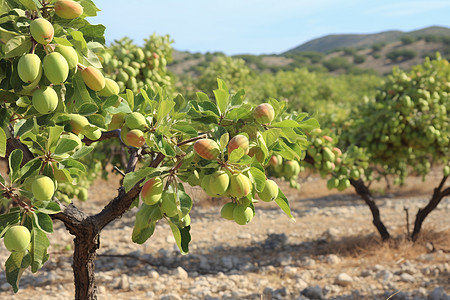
<point>81,67</point>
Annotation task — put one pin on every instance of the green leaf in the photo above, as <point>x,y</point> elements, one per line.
<point>271,136</point>
<point>130,98</point>
<point>283,203</point>
<point>144,224</point>
<point>2,143</point>
<point>8,219</point>
<point>43,221</point>
<point>185,202</point>
<point>81,94</point>
<point>162,145</point>
<point>17,46</point>
<point>286,123</point>
<point>87,109</point>
<point>79,42</point>
<point>224,139</point>
<point>182,237</point>
<point>221,100</point>
<point>89,8</point>
<point>185,128</point>
<point>15,159</point>
<point>164,109</point>
<point>202,96</point>
<point>238,98</point>
<point>16,263</point>
<point>47,207</point>
<point>29,4</point>
<point>241,112</point>
<point>309,125</point>
<point>72,163</point>
<point>26,126</point>
<point>259,177</point>
<point>54,133</point>
<point>30,169</point>
<point>83,151</point>
<point>236,155</point>
<point>65,146</point>
<point>38,248</point>
<point>132,178</point>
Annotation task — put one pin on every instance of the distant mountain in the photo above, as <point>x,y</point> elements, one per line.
<point>338,54</point>
<point>338,41</point>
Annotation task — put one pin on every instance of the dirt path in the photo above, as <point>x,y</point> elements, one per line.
<point>331,251</point>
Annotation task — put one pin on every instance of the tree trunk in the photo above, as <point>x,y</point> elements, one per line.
<point>86,244</point>
<point>438,195</point>
<point>363,191</point>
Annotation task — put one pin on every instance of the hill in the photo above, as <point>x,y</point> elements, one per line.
<point>350,54</point>
<point>335,41</point>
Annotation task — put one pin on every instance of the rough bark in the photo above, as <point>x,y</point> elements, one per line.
<point>363,191</point>
<point>438,195</point>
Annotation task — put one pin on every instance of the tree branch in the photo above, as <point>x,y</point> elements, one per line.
<point>106,135</point>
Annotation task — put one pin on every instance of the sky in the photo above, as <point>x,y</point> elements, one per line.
<point>261,26</point>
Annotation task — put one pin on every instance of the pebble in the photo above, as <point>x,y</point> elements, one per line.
<point>180,273</point>
<point>332,259</point>
<point>313,292</point>
<point>343,279</point>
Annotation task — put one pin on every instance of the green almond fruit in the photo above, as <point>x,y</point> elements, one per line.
<point>42,31</point>
<point>69,53</point>
<point>45,100</point>
<point>56,68</point>
<point>29,67</point>
<point>111,88</point>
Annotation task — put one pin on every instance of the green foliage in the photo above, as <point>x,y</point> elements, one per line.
<point>134,67</point>
<point>233,71</point>
<point>401,54</point>
<point>406,126</point>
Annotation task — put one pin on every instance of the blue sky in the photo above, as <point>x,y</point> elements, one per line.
<point>261,26</point>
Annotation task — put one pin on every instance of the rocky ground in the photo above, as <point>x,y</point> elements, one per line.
<point>332,251</point>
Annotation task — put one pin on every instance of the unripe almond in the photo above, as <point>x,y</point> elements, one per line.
<point>227,211</point>
<point>291,168</point>
<point>17,238</point>
<point>68,9</point>
<point>69,53</point>
<point>78,123</point>
<point>43,188</point>
<point>117,121</point>
<point>270,191</point>
<point>45,100</point>
<point>219,182</point>
<point>152,191</point>
<point>111,88</point>
<point>207,149</point>
<point>238,141</point>
<point>136,120</point>
<point>56,68</point>
<point>29,67</point>
<point>42,31</point>
<point>240,185</point>
<point>242,214</point>
<point>264,113</point>
<point>93,78</point>
<point>135,138</point>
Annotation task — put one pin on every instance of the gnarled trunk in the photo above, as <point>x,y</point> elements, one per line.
<point>363,191</point>
<point>438,195</point>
